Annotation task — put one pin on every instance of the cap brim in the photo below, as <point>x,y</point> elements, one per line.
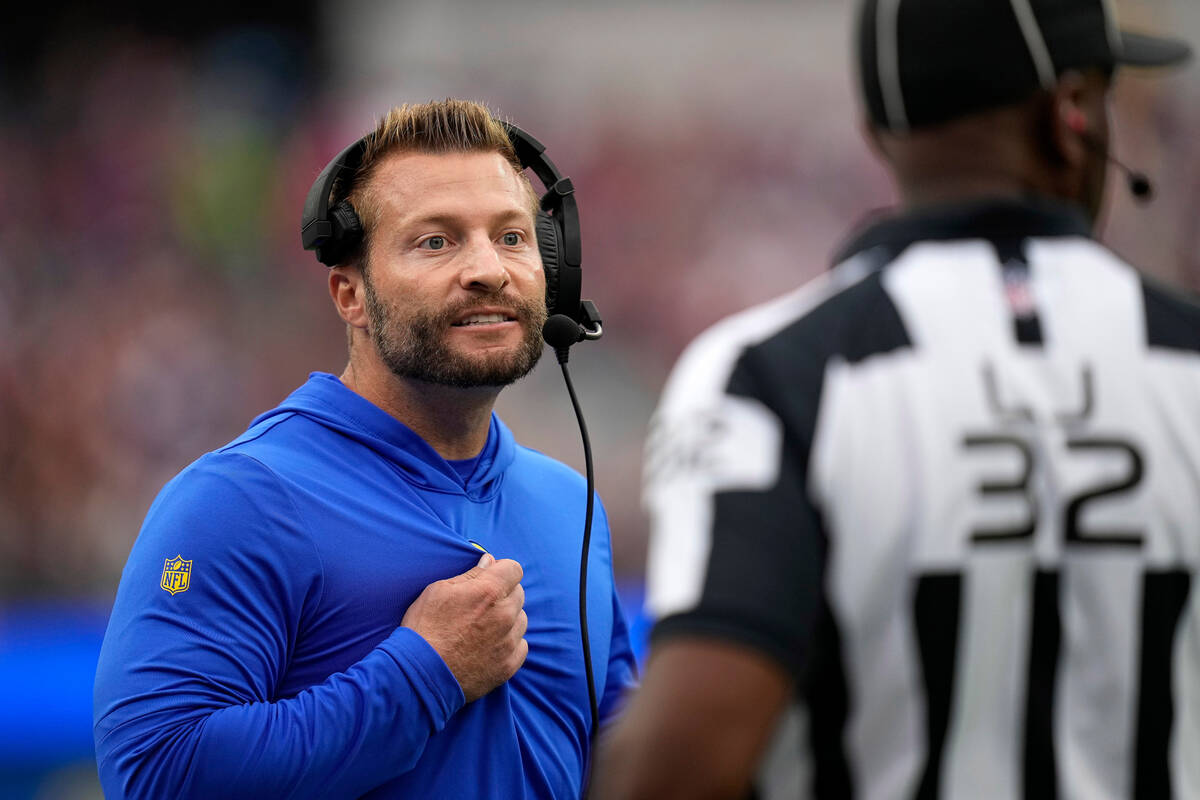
<point>1141,50</point>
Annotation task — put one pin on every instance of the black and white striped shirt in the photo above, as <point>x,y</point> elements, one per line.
<point>954,486</point>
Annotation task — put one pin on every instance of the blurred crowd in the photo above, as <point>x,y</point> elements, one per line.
<point>154,297</point>
<point>145,289</point>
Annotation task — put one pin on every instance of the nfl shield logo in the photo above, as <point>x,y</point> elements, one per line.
<point>177,575</point>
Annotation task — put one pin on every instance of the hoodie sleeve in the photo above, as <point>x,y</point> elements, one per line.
<point>622,668</point>
<point>217,587</point>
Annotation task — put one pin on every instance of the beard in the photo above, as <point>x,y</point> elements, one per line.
<point>413,343</point>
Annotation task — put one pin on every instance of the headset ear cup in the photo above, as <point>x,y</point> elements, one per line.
<point>345,235</point>
<point>550,247</point>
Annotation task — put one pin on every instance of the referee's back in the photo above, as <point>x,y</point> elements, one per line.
<point>1002,443</point>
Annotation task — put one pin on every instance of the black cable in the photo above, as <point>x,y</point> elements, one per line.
<point>587,538</point>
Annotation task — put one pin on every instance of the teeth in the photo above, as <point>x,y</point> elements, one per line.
<point>481,319</point>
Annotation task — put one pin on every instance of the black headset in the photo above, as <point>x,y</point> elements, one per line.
<point>335,233</point>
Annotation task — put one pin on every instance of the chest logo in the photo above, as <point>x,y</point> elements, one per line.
<point>176,575</point>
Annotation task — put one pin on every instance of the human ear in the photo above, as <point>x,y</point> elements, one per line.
<point>1072,133</point>
<point>348,291</point>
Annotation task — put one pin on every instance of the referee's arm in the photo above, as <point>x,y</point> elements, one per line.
<point>735,575</point>
<point>698,725</point>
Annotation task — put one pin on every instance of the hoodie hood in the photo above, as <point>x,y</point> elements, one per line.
<point>327,401</point>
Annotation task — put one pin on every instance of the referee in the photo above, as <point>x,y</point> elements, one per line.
<point>930,526</point>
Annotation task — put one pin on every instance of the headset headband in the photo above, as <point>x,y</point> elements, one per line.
<point>559,198</point>
<point>316,226</point>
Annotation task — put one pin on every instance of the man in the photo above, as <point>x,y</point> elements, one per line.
<point>930,526</point>
<point>306,612</point>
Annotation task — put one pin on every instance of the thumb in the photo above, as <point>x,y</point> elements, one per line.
<point>485,561</point>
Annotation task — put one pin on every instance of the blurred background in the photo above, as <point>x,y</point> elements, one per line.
<point>154,296</point>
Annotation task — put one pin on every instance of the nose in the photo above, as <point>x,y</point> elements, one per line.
<point>483,268</point>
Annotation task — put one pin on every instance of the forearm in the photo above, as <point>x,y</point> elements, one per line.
<point>354,731</point>
<point>696,727</point>
<point>639,759</point>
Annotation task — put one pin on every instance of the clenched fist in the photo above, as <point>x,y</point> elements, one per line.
<point>476,623</point>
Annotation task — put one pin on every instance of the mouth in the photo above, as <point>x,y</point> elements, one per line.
<point>489,318</point>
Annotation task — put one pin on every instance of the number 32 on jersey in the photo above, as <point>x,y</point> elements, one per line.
<point>1029,467</point>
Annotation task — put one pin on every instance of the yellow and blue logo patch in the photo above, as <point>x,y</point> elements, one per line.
<point>177,575</point>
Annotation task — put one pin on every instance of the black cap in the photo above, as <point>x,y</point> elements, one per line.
<point>922,62</point>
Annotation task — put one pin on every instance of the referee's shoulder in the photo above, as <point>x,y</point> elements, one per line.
<point>1172,315</point>
<point>810,319</point>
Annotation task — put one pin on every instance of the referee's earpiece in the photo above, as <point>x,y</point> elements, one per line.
<point>1138,183</point>
<point>335,232</point>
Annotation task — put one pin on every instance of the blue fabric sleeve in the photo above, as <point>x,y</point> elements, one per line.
<point>621,667</point>
<point>185,687</point>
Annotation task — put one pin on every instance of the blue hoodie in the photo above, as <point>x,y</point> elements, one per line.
<point>253,649</point>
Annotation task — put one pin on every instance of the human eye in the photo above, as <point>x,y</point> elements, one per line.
<point>512,238</point>
<point>432,243</point>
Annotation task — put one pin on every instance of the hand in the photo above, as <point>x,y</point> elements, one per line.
<point>476,623</point>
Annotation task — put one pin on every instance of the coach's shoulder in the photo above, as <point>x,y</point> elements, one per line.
<point>224,478</point>
<point>541,469</point>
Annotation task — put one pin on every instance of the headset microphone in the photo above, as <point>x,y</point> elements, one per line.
<point>560,332</point>
<point>1138,182</point>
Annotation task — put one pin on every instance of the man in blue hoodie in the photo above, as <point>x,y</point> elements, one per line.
<point>305,612</point>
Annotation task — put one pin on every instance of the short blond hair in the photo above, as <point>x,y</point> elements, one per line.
<point>447,126</point>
